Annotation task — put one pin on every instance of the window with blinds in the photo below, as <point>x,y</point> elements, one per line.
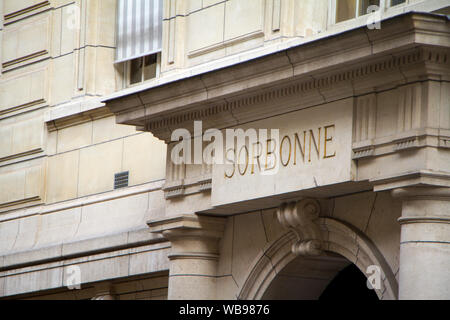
<point>139,28</point>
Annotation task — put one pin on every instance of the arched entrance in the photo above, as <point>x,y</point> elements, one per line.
<point>277,273</point>
<point>329,277</point>
<point>349,284</point>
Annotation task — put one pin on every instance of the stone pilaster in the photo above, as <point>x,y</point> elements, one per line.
<point>425,243</point>
<point>194,254</point>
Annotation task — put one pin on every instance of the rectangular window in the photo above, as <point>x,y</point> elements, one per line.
<point>396,2</point>
<point>143,68</point>
<point>139,29</point>
<point>350,9</point>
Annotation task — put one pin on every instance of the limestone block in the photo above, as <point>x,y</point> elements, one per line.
<point>106,129</point>
<point>358,213</point>
<point>272,226</point>
<point>191,204</point>
<point>106,23</point>
<point>51,142</point>
<point>98,164</point>
<point>6,134</point>
<point>75,137</point>
<point>91,242</point>
<point>246,245</point>
<point>113,216</point>
<point>8,234</point>
<point>21,183</point>
<point>226,288</point>
<point>62,177</point>
<point>29,38</point>
<point>384,230</point>
<point>12,6</point>
<point>56,33</point>
<point>34,179</point>
<point>99,70</point>
<point>444,114</point>
<point>33,281</point>
<point>243,17</point>
<point>387,112</point>
<point>310,17</point>
<point>156,204</point>
<point>148,261</point>
<point>208,3</point>
<point>205,27</point>
<point>102,269</point>
<point>27,233</point>
<point>226,246</point>
<point>145,157</point>
<point>58,227</point>
<point>246,44</point>
<point>28,134</point>
<point>22,90</point>
<point>194,5</point>
<point>68,29</point>
<point>62,79</point>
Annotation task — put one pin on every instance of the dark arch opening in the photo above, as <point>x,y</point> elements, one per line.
<point>349,284</point>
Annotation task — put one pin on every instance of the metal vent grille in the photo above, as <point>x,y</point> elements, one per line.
<point>121,180</point>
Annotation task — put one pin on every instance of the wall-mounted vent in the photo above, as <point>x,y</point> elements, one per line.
<point>121,180</point>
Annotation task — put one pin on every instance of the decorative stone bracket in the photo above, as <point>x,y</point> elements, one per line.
<point>300,217</point>
<point>191,235</point>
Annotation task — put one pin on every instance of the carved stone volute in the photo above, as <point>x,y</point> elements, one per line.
<point>300,217</point>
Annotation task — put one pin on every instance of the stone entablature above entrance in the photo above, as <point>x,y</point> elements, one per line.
<point>393,81</point>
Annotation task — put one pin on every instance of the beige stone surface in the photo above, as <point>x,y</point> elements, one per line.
<point>20,39</point>
<point>243,17</point>
<point>359,213</point>
<point>224,266</point>
<point>98,164</point>
<point>62,80</point>
<point>417,279</point>
<point>383,228</point>
<point>62,176</point>
<point>115,216</point>
<point>106,129</point>
<point>21,183</point>
<point>311,171</point>
<point>11,6</point>
<point>74,137</point>
<point>28,134</point>
<point>68,37</point>
<point>246,245</point>
<point>21,90</point>
<point>206,27</point>
<point>144,158</point>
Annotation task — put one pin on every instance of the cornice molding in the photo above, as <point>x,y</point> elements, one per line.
<point>310,74</point>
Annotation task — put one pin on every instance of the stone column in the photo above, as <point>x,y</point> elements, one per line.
<point>194,255</point>
<point>425,243</point>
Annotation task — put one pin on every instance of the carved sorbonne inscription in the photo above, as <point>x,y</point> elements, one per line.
<point>268,154</point>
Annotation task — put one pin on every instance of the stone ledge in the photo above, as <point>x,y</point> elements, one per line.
<point>92,199</point>
<point>81,248</point>
<point>411,179</point>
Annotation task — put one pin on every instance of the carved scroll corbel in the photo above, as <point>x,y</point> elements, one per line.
<point>300,217</point>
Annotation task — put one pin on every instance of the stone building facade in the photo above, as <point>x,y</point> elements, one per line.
<point>92,205</point>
